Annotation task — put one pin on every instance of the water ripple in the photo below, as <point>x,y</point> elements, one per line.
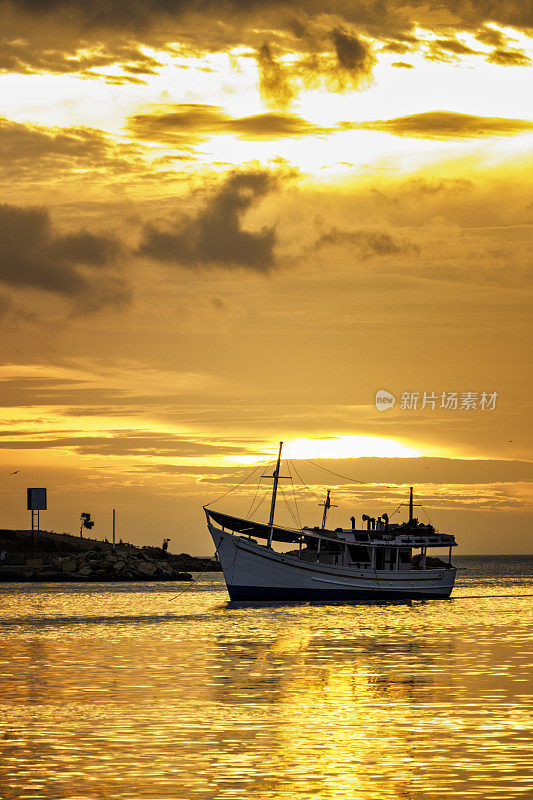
<point>114,693</point>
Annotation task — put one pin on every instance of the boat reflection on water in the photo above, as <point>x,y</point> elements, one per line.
<point>338,711</point>
<point>364,670</point>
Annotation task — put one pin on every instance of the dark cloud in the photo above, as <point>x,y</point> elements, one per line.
<point>509,58</point>
<point>348,66</point>
<point>329,44</point>
<point>402,64</point>
<point>75,394</point>
<point>215,236</point>
<point>446,125</point>
<point>454,46</point>
<point>354,55</point>
<point>38,154</point>
<point>492,37</point>
<point>121,443</point>
<point>188,123</point>
<point>74,265</point>
<point>423,470</point>
<point>19,55</point>
<point>139,15</point>
<point>397,47</point>
<point>275,85</point>
<point>369,243</point>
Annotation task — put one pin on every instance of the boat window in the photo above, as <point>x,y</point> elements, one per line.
<point>385,557</point>
<point>358,553</point>
<point>331,547</point>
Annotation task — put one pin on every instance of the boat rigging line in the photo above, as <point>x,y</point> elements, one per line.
<point>255,508</point>
<point>249,514</point>
<point>346,477</point>
<point>294,496</point>
<point>289,509</point>
<point>289,462</point>
<point>247,477</point>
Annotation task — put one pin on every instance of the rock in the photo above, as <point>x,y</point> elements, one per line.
<point>69,564</point>
<point>102,567</point>
<point>119,566</point>
<point>85,571</point>
<point>145,568</point>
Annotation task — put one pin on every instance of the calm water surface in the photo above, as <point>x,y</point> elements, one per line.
<point>126,691</point>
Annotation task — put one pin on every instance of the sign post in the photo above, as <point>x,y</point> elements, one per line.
<point>36,502</point>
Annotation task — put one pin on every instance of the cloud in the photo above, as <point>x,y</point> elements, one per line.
<point>6,306</point>
<point>39,154</point>
<point>119,443</point>
<point>369,243</point>
<point>274,83</point>
<point>74,265</point>
<point>454,46</point>
<point>20,56</point>
<point>296,46</point>
<point>491,36</point>
<point>347,66</point>
<point>509,58</point>
<point>446,125</point>
<point>397,47</point>
<point>188,123</point>
<point>215,236</point>
<point>396,15</point>
<point>434,186</point>
<point>354,55</point>
<point>402,64</point>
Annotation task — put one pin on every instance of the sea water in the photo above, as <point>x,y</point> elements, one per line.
<point>145,691</point>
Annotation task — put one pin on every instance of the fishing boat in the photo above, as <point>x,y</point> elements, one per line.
<point>379,561</point>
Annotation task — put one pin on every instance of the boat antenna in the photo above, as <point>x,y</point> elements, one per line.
<point>327,505</point>
<point>276,477</point>
<point>411,505</point>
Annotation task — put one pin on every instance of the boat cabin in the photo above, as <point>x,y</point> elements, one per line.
<point>397,547</point>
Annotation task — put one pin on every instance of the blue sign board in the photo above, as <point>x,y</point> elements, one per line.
<point>36,499</point>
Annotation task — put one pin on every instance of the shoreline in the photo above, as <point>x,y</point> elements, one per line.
<point>49,557</point>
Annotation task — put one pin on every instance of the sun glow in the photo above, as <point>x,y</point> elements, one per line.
<point>349,447</point>
<point>336,447</point>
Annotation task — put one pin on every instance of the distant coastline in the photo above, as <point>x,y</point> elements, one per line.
<point>45,556</point>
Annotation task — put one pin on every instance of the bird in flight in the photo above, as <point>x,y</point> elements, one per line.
<point>15,473</point>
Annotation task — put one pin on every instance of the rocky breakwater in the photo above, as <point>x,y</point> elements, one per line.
<point>116,565</point>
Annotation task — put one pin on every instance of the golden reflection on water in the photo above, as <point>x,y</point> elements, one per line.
<point>115,692</point>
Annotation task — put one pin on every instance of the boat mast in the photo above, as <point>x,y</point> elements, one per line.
<point>275,475</point>
<point>327,505</point>
<point>411,505</point>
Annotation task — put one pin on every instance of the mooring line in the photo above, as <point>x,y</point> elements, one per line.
<point>189,584</point>
<point>482,596</point>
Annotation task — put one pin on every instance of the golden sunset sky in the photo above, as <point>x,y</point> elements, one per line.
<point>229,223</point>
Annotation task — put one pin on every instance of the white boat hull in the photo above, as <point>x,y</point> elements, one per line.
<point>256,572</point>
